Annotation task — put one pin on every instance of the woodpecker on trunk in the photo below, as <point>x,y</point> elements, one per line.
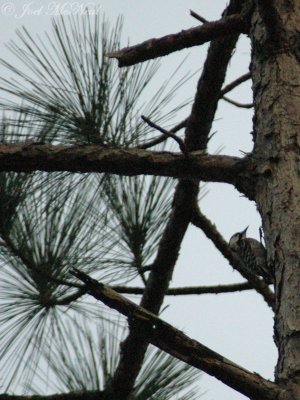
<point>253,255</point>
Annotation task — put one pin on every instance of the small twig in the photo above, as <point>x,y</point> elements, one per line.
<point>167,133</point>
<point>237,104</point>
<point>191,290</point>
<point>198,17</point>
<point>232,85</point>
<point>179,291</point>
<point>162,138</point>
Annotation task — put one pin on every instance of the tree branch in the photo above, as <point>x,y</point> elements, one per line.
<point>22,157</point>
<point>191,290</point>
<point>237,104</point>
<point>154,48</point>
<point>166,133</point>
<point>198,17</point>
<point>209,85</point>
<point>86,395</point>
<point>179,345</point>
<point>202,222</point>
<point>179,291</point>
<point>232,85</point>
<point>162,138</point>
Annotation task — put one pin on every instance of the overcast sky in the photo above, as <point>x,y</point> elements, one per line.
<point>239,326</point>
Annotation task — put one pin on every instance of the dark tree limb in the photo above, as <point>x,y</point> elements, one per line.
<point>154,48</point>
<point>86,395</point>
<point>232,85</point>
<point>20,157</point>
<point>210,85</point>
<point>198,17</point>
<point>191,290</point>
<point>162,138</point>
<point>175,342</point>
<point>237,104</point>
<point>179,291</point>
<point>202,222</point>
<point>168,134</point>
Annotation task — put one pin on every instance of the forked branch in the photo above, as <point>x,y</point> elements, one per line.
<point>166,133</point>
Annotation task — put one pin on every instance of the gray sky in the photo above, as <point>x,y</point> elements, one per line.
<point>239,326</point>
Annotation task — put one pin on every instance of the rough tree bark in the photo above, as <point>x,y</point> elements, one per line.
<point>276,87</point>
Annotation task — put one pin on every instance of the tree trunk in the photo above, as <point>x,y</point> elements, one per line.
<point>276,89</point>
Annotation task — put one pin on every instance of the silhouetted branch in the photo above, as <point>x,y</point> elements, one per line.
<point>22,157</point>
<point>237,104</point>
<point>209,86</point>
<point>180,291</point>
<point>232,85</point>
<point>162,138</point>
<point>191,290</point>
<point>154,48</point>
<point>198,17</point>
<point>167,134</point>
<point>84,395</point>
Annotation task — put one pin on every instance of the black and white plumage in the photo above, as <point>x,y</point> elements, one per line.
<point>252,254</point>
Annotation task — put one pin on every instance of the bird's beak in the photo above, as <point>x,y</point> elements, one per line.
<point>245,230</point>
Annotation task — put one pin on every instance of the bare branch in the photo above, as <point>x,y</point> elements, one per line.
<point>179,345</point>
<point>198,17</point>
<point>202,222</point>
<point>190,290</point>
<point>167,134</point>
<point>163,46</point>
<point>22,157</point>
<point>209,86</point>
<point>84,395</point>
<point>180,291</point>
<point>237,104</point>
<point>162,138</point>
<point>232,85</point>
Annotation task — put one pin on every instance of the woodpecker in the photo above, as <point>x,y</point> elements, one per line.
<point>252,254</point>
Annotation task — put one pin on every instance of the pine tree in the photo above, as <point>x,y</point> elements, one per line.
<point>144,228</point>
